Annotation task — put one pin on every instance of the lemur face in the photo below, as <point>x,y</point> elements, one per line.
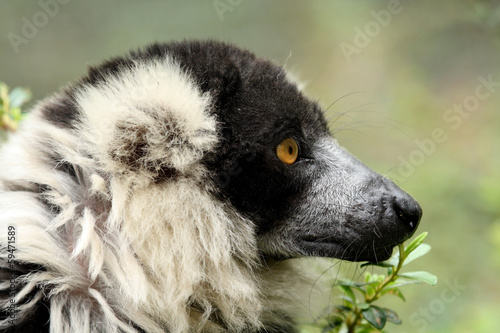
<point>277,163</point>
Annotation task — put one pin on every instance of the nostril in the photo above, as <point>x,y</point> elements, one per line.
<point>408,211</point>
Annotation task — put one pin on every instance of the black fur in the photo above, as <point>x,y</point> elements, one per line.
<point>62,111</point>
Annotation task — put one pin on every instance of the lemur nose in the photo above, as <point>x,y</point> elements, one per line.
<point>406,209</point>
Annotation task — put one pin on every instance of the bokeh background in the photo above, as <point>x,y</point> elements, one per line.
<point>412,88</point>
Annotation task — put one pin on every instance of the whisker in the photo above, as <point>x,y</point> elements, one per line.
<point>342,97</point>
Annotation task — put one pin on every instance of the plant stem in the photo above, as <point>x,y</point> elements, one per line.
<point>352,325</point>
<point>378,290</point>
<point>390,278</point>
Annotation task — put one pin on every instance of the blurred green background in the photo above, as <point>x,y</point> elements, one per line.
<point>412,89</point>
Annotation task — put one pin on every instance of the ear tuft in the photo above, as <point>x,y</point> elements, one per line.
<point>151,121</point>
<point>159,145</point>
<point>132,149</point>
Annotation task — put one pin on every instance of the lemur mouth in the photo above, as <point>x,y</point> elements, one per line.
<point>327,247</point>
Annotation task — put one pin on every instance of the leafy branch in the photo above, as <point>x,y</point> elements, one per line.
<point>358,314</point>
<point>10,106</point>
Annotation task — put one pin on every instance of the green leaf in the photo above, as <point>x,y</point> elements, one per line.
<point>370,291</point>
<point>375,316</point>
<point>421,276</point>
<point>16,114</point>
<point>370,279</point>
<point>343,308</point>
<point>343,282</point>
<point>363,306</point>
<point>358,286</point>
<point>365,330</point>
<point>328,329</point>
<point>395,292</point>
<point>331,325</point>
<point>379,264</point>
<point>392,316</point>
<point>344,328</point>
<point>403,283</point>
<point>18,96</point>
<point>423,249</point>
<point>415,243</point>
<point>392,261</point>
<point>4,93</point>
<point>348,293</point>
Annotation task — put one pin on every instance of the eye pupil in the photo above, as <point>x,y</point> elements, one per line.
<point>290,150</point>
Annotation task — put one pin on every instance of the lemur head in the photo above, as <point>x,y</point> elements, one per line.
<point>240,127</point>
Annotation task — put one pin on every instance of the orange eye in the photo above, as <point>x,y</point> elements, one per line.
<point>288,151</point>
